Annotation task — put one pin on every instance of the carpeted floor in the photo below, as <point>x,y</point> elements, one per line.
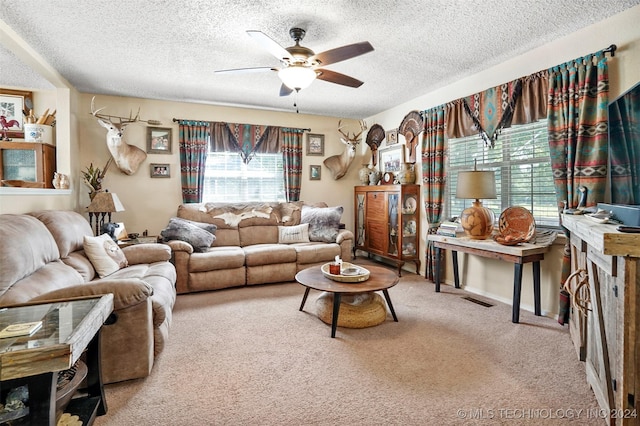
<point>247,356</point>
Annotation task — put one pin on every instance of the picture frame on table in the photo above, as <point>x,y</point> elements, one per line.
<point>13,106</point>
<point>392,136</point>
<point>390,158</point>
<point>315,172</point>
<point>160,170</point>
<point>159,140</point>
<point>315,144</point>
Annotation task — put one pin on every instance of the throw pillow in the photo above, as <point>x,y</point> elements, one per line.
<point>293,234</point>
<point>324,222</point>
<point>104,254</point>
<point>209,227</point>
<point>183,230</point>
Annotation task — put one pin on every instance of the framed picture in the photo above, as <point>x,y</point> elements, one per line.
<point>390,158</point>
<point>392,137</point>
<point>315,144</point>
<point>314,172</point>
<point>13,106</point>
<point>159,140</point>
<point>160,170</point>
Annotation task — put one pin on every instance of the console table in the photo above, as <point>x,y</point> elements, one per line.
<point>68,329</point>
<point>518,255</point>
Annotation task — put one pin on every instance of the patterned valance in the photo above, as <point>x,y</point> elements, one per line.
<point>246,139</point>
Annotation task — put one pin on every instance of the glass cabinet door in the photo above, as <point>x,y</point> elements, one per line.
<point>19,164</point>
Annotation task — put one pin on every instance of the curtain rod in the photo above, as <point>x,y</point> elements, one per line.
<point>175,120</point>
<point>611,49</point>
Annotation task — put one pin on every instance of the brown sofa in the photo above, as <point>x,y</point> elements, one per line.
<point>246,250</point>
<point>42,258</point>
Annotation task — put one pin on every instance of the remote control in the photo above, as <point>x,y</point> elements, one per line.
<point>627,228</point>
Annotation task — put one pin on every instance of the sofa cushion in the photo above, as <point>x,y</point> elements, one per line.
<point>104,254</point>
<point>217,258</point>
<point>324,222</point>
<point>26,246</point>
<point>258,235</point>
<point>66,227</point>
<point>267,254</point>
<point>293,234</point>
<point>317,252</point>
<point>185,230</point>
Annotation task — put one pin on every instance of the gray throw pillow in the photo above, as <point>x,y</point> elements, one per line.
<point>324,222</point>
<point>187,231</point>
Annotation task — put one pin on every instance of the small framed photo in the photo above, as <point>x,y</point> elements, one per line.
<point>159,140</point>
<point>390,158</point>
<point>160,170</point>
<point>392,137</point>
<point>314,172</point>
<point>13,105</point>
<point>315,144</point>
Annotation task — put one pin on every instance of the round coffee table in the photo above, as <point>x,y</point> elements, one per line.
<point>380,279</point>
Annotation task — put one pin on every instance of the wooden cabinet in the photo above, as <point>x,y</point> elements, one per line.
<point>28,161</point>
<point>387,222</point>
<point>606,332</point>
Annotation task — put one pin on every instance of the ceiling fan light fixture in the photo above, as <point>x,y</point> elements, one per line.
<point>297,77</point>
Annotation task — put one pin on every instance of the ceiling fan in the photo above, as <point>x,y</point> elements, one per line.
<point>301,65</point>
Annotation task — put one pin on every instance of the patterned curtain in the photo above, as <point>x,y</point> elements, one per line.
<point>291,143</point>
<point>577,114</point>
<point>194,141</point>
<point>433,176</point>
<point>624,148</point>
<point>246,139</point>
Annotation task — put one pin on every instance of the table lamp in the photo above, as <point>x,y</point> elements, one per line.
<point>477,220</point>
<point>103,204</point>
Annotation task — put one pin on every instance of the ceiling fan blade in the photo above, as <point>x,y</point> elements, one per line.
<point>342,53</point>
<point>285,90</point>
<point>247,70</point>
<point>269,44</point>
<point>336,77</point>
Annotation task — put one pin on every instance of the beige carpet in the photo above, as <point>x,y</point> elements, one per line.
<point>247,356</point>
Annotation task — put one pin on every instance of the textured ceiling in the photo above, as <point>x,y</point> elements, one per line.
<point>168,50</point>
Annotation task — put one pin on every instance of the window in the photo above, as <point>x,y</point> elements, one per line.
<point>520,160</point>
<point>228,179</point>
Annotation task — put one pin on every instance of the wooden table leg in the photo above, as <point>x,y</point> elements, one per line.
<point>437,277</point>
<point>304,298</point>
<point>517,288</point>
<point>336,309</point>
<point>536,288</point>
<point>456,275</point>
<point>388,299</point>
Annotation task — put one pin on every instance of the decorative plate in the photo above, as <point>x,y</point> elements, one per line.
<point>508,240</point>
<point>354,273</point>
<point>410,205</point>
<point>517,223</point>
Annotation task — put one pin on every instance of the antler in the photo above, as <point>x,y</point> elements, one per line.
<point>122,120</point>
<point>355,137</point>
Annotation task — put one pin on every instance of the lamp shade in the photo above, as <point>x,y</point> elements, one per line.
<point>297,77</point>
<point>476,184</point>
<point>105,202</point>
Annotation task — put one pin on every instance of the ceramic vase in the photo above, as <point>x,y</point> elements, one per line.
<point>363,174</point>
<point>407,174</point>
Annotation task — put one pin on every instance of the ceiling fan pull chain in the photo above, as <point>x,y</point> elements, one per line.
<point>295,102</point>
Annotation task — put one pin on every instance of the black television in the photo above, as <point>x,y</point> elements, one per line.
<point>624,147</point>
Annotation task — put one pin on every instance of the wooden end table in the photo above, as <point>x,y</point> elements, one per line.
<point>380,279</point>
<point>518,255</point>
<point>68,328</point>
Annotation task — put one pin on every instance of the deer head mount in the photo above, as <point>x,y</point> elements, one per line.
<point>127,157</point>
<point>339,164</point>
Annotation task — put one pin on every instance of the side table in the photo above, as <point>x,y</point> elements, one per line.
<point>68,329</point>
<point>139,240</point>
